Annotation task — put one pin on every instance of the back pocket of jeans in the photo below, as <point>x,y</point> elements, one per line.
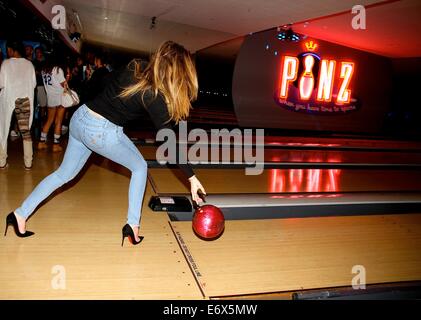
<point>94,138</point>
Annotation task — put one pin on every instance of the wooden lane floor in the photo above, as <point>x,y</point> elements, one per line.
<point>255,257</point>
<point>316,156</point>
<point>218,181</point>
<point>351,142</point>
<point>78,234</point>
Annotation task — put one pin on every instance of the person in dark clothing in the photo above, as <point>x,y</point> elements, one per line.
<point>41,95</point>
<point>29,52</point>
<point>164,90</point>
<point>96,83</point>
<point>77,78</point>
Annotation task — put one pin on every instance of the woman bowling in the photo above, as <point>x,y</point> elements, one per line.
<point>164,88</point>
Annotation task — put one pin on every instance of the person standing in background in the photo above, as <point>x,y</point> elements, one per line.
<point>67,114</point>
<point>77,77</point>
<point>54,83</point>
<point>96,83</point>
<point>41,95</point>
<point>29,52</point>
<point>14,133</point>
<point>17,81</point>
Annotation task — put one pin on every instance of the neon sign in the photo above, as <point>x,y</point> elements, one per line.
<point>311,84</point>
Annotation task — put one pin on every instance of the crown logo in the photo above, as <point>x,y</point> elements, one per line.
<point>311,46</point>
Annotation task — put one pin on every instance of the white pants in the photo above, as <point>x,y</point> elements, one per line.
<point>27,154</point>
<point>22,111</point>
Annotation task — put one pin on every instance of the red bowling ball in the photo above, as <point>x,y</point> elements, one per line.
<point>208,222</point>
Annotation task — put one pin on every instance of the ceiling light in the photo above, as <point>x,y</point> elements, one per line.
<point>288,35</point>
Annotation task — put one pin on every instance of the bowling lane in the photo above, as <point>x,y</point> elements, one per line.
<point>316,156</point>
<point>303,254</point>
<point>345,142</point>
<point>218,181</point>
<point>313,142</point>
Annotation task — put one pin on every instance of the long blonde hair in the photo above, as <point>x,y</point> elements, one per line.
<point>171,72</point>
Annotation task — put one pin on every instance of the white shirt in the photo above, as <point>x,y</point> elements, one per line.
<point>52,83</point>
<point>17,80</point>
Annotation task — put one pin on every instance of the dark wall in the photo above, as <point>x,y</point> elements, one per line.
<point>214,75</point>
<point>116,57</point>
<point>404,117</point>
<point>19,22</point>
<point>215,82</point>
<point>256,77</point>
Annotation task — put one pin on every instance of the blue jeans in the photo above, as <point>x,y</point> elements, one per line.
<point>90,133</point>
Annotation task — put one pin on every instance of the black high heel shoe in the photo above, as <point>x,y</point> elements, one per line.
<point>11,220</point>
<point>128,232</point>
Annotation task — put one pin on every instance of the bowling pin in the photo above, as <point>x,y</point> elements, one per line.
<point>307,79</point>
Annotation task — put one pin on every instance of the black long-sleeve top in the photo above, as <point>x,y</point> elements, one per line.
<point>121,111</point>
<point>96,83</point>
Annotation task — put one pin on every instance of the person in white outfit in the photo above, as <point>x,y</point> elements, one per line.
<point>54,83</point>
<point>17,84</point>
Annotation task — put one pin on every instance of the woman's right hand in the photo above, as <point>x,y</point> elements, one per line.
<point>195,186</point>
